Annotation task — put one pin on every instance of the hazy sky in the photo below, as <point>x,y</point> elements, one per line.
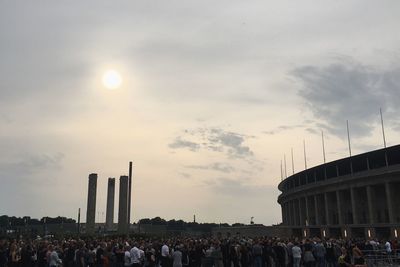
<point>214,94</point>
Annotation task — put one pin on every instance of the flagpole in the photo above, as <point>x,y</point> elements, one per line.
<point>305,157</point>
<point>292,161</point>
<point>384,138</point>
<point>323,146</point>
<point>284,159</point>
<point>383,129</point>
<point>348,136</point>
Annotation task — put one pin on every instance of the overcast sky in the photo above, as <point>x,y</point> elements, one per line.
<point>214,94</point>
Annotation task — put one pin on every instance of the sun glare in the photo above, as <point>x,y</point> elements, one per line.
<point>112,79</point>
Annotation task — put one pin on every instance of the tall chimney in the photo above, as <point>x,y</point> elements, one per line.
<point>91,204</point>
<point>110,203</point>
<point>123,226</point>
<point>130,192</point>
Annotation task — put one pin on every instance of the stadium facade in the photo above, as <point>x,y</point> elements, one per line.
<point>357,196</point>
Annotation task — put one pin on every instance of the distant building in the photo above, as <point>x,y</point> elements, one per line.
<point>91,204</point>
<point>351,197</point>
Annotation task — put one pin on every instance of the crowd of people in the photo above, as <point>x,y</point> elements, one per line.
<point>191,252</point>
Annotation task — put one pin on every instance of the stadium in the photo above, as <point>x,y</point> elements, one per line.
<point>352,197</point>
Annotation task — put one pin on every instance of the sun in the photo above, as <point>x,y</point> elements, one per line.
<point>112,79</point>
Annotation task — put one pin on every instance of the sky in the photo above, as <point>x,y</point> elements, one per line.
<point>214,96</point>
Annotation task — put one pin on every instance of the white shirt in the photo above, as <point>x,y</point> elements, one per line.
<point>388,247</point>
<point>54,259</point>
<point>296,252</point>
<point>127,258</point>
<point>164,251</point>
<point>141,254</point>
<point>135,255</point>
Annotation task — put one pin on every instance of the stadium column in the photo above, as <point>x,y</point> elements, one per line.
<point>289,203</point>
<point>389,202</point>
<point>287,213</point>
<point>339,207</point>
<point>317,220</point>
<point>307,222</point>
<point>301,211</point>
<point>370,204</point>
<point>327,217</point>
<point>293,212</point>
<point>296,212</point>
<point>353,205</point>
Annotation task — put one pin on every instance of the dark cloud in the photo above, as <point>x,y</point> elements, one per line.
<point>233,142</point>
<point>349,91</point>
<point>214,139</point>
<point>217,166</point>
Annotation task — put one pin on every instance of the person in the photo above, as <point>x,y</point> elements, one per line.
<point>320,253</point>
<point>119,254</point>
<point>3,253</point>
<point>90,256</point>
<point>15,256</point>
<point>135,256</point>
<point>100,255</point>
<point>257,252</point>
<point>309,259</point>
<point>127,257</point>
<point>26,256</point>
<point>344,259</point>
<point>177,257</point>
<point>80,254</point>
<point>150,257</point>
<point>331,257</point>
<point>164,255</point>
<point>296,254</point>
<point>54,260</point>
<point>358,256</point>
<point>216,255</point>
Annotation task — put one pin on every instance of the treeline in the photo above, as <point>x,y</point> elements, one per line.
<point>7,221</point>
<point>182,225</point>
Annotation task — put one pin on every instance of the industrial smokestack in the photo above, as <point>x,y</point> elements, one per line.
<point>130,192</point>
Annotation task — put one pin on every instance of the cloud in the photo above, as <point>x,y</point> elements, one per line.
<point>29,166</point>
<point>179,143</point>
<point>232,141</point>
<point>236,187</point>
<point>214,139</point>
<point>283,128</point>
<point>347,90</point>
<point>217,166</point>
<point>185,175</point>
